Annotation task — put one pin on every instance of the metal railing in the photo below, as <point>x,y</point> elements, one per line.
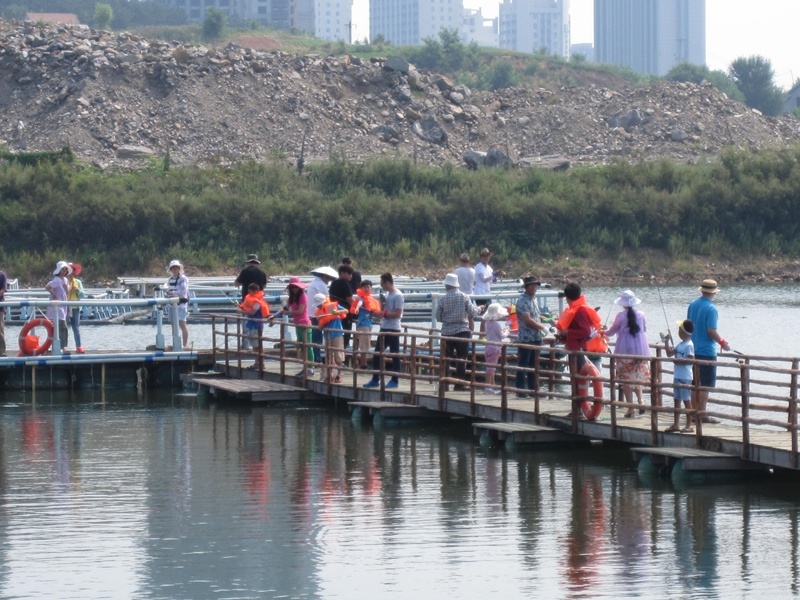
<point>751,392</point>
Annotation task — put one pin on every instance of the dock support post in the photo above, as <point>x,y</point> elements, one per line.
<point>160,330</point>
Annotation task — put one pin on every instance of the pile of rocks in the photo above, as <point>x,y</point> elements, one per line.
<point>114,98</point>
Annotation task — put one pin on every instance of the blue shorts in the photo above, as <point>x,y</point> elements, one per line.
<point>683,393</point>
<point>708,373</point>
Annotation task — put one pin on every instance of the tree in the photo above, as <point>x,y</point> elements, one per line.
<point>501,75</point>
<point>213,24</point>
<point>103,13</point>
<point>699,73</point>
<point>755,78</point>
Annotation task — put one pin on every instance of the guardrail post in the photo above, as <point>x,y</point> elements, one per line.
<point>744,380</point>
<point>793,411</point>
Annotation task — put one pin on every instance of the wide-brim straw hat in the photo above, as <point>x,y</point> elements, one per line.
<point>709,286</point>
<point>451,280</point>
<point>330,272</point>
<point>495,311</point>
<point>295,281</point>
<point>628,299</point>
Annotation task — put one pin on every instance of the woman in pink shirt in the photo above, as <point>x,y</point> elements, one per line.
<point>297,308</point>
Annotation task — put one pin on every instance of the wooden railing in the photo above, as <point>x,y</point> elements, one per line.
<point>760,391</point>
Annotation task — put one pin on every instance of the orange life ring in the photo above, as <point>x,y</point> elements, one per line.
<point>590,410</point>
<point>29,344</point>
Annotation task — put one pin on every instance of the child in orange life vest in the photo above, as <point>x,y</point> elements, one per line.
<point>364,306</point>
<point>513,319</point>
<point>256,309</point>
<point>329,315</point>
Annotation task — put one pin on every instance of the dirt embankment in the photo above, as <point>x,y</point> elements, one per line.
<point>115,98</point>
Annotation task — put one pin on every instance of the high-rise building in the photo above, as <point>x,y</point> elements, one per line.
<point>408,22</point>
<point>326,19</point>
<point>535,25</point>
<point>650,36</point>
<point>479,29</point>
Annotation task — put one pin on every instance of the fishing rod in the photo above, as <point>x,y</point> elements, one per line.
<point>741,360</point>
<point>654,280</point>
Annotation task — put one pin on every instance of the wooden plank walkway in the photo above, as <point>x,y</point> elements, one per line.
<point>767,446</point>
<point>254,390</point>
<point>393,410</point>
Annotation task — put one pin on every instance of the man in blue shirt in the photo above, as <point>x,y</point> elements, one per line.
<point>705,338</point>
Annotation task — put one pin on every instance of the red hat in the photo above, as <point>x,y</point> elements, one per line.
<point>76,268</point>
<point>295,281</point>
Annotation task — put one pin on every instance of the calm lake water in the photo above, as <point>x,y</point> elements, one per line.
<point>165,496</point>
<point>162,496</point>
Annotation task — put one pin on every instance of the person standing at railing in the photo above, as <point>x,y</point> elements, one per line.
<point>494,337</point>
<point>252,273</point>
<point>256,309</point>
<point>389,334</point>
<point>579,325</point>
<point>704,315</point>
<point>297,308</point>
<point>319,285</point>
<point>529,334</point>
<point>630,327</point>
<point>3,288</point>
<point>74,293</point>
<point>57,288</point>
<point>341,292</point>
<point>466,275</point>
<point>178,287</point>
<point>484,276</point>
<point>682,373</point>
<point>456,311</point>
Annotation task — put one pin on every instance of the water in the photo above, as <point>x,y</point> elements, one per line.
<point>164,496</point>
<point>160,496</point>
<point>752,318</point>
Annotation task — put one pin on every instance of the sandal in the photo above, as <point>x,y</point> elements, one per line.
<point>687,430</point>
<point>672,429</point>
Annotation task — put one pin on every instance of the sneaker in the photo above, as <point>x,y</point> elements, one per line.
<point>309,372</point>
<point>492,391</point>
<point>392,384</point>
<point>372,383</point>
<point>79,349</point>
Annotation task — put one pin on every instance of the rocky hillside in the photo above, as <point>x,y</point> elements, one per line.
<point>115,97</point>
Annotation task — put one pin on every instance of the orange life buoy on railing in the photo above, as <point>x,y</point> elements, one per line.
<point>591,410</point>
<point>29,344</point>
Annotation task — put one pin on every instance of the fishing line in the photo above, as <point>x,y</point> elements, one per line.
<point>655,281</point>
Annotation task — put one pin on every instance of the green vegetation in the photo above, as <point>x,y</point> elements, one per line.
<point>213,24</point>
<point>699,73</point>
<point>125,14</point>
<point>388,212</point>
<point>103,13</point>
<point>755,77</point>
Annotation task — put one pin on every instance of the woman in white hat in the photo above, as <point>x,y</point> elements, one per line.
<point>178,287</point>
<point>630,327</point>
<point>57,288</point>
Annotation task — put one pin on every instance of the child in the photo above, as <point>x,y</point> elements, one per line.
<point>363,308</point>
<point>329,315</point>
<point>256,309</point>
<point>297,308</point>
<point>494,336</point>
<point>682,372</point>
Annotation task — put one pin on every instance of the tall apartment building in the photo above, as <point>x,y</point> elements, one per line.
<point>479,29</point>
<point>650,36</point>
<point>326,19</point>
<point>408,22</point>
<point>533,25</point>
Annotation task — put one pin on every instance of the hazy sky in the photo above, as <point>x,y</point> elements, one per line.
<point>733,29</point>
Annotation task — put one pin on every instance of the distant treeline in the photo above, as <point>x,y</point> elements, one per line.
<point>125,14</point>
<point>390,211</point>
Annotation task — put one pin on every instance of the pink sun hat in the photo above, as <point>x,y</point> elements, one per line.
<point>295,281</point>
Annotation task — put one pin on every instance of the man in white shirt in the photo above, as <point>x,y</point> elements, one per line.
<point>466,275</point>
<point>483,274</point>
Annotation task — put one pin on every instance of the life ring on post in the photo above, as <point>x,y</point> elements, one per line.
<point>29,344</point>
<point>590,410</point>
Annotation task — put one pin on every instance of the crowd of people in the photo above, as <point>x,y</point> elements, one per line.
<point>325,310</point>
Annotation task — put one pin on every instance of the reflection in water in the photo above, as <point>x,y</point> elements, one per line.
<point>159,497</point>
